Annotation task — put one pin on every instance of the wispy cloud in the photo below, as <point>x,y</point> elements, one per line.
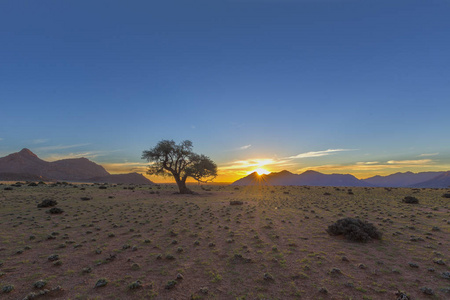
<point>319,153</point>
<point>367,162</point>
<point>39,141</point>
<point>1,139</point>
<point>89,154</point>
<point>244,147</point>
<point>126,167</point>
<point>60,147</point>
<point>428,154</point>
<point>373,166</point>
<point>251,163</point>
<point>410,162</point>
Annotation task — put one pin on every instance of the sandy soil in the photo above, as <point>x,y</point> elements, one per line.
<point>274,246</point>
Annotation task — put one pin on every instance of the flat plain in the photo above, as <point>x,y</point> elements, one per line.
<point>145,242</point>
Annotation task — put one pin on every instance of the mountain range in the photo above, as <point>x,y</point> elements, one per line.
<point>313,178</point>
<point>25,165</point>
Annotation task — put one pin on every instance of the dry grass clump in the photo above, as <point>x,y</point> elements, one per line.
<point>55,211</point>
<point>47,203</point>
<point>354,230</point>
<point>410,200</point>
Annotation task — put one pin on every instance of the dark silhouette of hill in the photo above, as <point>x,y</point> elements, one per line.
<point>21,176</point>
<point>402,179</point>
<point>25,162</point>
<point>440,181</point>
<point>313,178</point>
<point>309,177</point>
<point>130,178</point>
<point>25,165</point>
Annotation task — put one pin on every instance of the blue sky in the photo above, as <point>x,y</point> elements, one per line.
<point>251,83</point>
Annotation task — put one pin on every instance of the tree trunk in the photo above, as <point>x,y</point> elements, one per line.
<point>182,186</point>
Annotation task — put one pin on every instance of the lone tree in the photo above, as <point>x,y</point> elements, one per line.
<point>170,159</point>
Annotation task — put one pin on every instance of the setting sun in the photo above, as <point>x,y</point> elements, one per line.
<point>261,171</point>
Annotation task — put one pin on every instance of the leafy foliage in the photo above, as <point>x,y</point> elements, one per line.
<point>179,161</point>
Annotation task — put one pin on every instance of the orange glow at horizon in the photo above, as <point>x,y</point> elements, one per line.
<point>260,171</point>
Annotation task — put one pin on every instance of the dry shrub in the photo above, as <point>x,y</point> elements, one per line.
<point>354,230</point>
<point>410,200</point>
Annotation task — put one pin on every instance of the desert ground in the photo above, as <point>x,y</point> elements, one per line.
<point>145,242</point>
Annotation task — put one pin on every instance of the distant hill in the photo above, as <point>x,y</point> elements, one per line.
<point>311,178</point>
<point>440,181</point>
<point>130,178</point>
<point>25,165</point>
<point>402,179</point>
<point>21,176</point>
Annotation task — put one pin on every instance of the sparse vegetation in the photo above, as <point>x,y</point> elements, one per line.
<point>275,243</point>
<point>354,230</point>
<point>55,211</point>
<point>410,200</point>
<point>47,203</point>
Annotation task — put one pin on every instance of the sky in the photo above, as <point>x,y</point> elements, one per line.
<point>337,86</point>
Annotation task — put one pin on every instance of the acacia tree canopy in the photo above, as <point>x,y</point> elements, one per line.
<point>170,159</point>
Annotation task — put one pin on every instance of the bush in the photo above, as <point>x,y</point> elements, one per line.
<point>55,210</point>
<point>135,285</point>
<point>446,196</point>
<point>171,284</point>
<point>236,202</point>
<point>47,203</point>
<point>354,230</point>
<point>411,200</point>
<point>101,282</point>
